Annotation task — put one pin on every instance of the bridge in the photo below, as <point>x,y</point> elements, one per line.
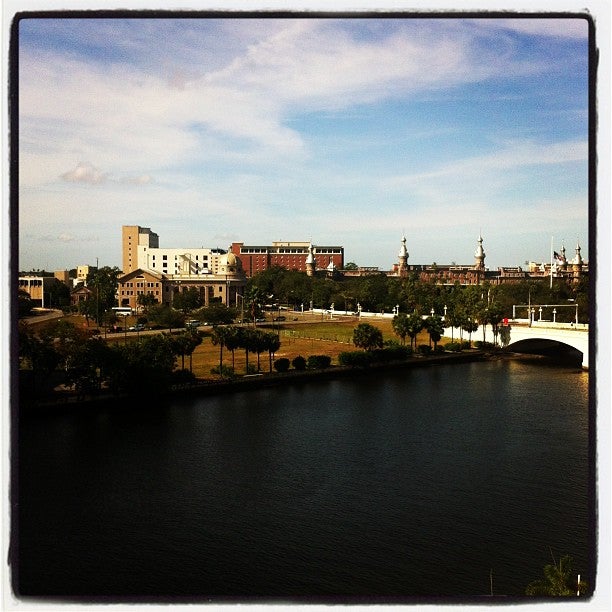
<point>544,336</point>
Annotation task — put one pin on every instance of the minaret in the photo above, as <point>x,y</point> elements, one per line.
<point>479,256</point>
<point>577,264</point>
<point>310,261</point>
<point>563,265</point>
<point>402,268</point>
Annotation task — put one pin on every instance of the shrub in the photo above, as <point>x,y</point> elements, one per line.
<point>225,371</point>
<point>299,363</point>
<point>281,365</point>
<point>183,377</point>
<point>355,359</point>
<point>424,349</point>
<point>479,344</point>
<point>391,353</point>
<point>454,347</point>
<point>438,349</point>
<point>318,362</point>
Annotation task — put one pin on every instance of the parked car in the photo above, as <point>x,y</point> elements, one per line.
<point>281,318</point>
<point>137,327</point>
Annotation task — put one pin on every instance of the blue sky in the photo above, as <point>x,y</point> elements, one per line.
<point>339,131</point>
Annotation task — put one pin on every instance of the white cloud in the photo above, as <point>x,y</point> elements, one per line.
<point>85,173</point>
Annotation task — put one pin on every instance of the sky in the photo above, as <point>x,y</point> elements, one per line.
<point>340,131</point>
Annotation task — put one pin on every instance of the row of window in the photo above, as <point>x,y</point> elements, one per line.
<point>197,257</point>
<point>140,284</point>
<point>138,292</point>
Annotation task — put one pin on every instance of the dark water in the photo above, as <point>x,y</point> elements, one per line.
<point>414,483</point>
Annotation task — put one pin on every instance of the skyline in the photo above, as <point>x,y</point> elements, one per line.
<point>351,131</point>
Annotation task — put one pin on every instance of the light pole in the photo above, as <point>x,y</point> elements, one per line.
<point>576,313</point>
<point>554,315</point>
<point>238,295</point>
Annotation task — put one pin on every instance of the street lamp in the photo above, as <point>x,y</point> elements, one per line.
<point>238,295</point>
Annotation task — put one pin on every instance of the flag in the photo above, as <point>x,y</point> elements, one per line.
<point>558,257</point>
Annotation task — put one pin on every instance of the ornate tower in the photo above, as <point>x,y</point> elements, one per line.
<point>402,268</point>
<point>563,265</point>
<point>577,264</point>
<point>479,255</point>
<point>310,261</point>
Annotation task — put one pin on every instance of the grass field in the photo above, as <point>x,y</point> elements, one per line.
<point>299,338</point>
<point>303,335</point>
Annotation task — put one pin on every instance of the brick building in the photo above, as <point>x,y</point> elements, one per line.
<point>290,255</point>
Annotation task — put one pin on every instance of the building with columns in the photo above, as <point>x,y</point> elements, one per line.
<point>162,272</point>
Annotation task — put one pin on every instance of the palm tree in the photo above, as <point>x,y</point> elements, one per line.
<point>415,325</point>
<point>232,341</point>
<point>367,337</point>
<point>219,337</point>
<point>400,326</point>
<point>557,581</point>
<point>435,329</point>
<point>470,327</point>
<point>272,342</point>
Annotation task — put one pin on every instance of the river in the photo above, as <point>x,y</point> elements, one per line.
<point>452,481</point>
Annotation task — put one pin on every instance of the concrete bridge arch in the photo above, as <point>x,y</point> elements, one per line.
<point>542,337</point>
<point>551,339</point>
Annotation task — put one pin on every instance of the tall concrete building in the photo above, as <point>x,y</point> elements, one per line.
<point>133,237</point>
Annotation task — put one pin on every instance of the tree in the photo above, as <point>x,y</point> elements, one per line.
<point>469,327</point>
<point>143,368</point>
<point>350,266</point>
<point>103,283</point>
<point>187,300</point>
<point>59,295</point>
<point>253,300</point>
<point>558,581</point>
<point>367,337</point>
<point>89,365</point>
<point>216,314</point>
<point>184,344</point>
<point>414,326</point>
<point>496,316</point>
<point>258,343</point>
<point>504,335</point>
<point>272,343</point>
<point>146,300</point>
<point>219,338</point>
<point>24,303</point>
<point>435,329</point>
<point>37,355</point>
<point>166,316</point>
<point>232,341</point>
<point>400,326</point>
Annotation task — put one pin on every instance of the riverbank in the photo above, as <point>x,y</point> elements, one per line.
<point>257,381</point>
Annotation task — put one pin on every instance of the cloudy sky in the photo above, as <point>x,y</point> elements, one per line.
<point>347,132</point>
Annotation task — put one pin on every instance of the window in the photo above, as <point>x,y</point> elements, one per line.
<point>164,257</point>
